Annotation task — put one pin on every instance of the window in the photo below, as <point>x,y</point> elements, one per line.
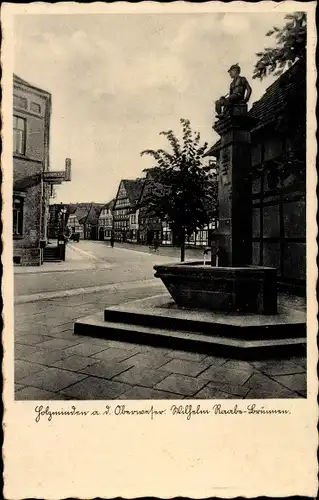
<point>35,107</point>
<point>17,217</point>
<point>20,102</point>
<point>19,132</point>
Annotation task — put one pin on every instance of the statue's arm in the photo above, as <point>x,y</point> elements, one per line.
<point>248,91</point>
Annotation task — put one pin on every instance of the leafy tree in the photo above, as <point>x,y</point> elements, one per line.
<point>182,191</point>
<point>291,41</point>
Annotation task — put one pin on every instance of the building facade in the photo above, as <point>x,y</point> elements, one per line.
<point>31,140</point>
<point>74,226</point>
<point>90,223</point>
<point>76,216</point>
<point>150,226</point>
<point>105,222</point>
<point>133,227</point>
<point>33,180</point>
<point>126,227</point>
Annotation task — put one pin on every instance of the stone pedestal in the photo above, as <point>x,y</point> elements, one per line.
<point>234,188</point>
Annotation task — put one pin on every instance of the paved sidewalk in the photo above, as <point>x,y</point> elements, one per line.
<point>165,251</point>
<point>51,363</point>
<point>74,262</point>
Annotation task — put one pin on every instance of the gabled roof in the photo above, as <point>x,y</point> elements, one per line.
<point>108,206</point>
<point>267,109</point>
<point>133,189</point>
<point>80,210</point>
<point>147,181</point>
<point>290,83</point>
<point>93,214</point>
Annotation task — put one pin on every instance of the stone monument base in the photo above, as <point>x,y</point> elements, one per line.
<point>158,321</point>
<point>251,289</point>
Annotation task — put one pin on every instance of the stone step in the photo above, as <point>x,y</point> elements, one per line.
<point>96,326</point>
<point>270,327</point>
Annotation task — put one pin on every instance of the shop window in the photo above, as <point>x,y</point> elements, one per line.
<point>17,217</point>
<point>19,134</point>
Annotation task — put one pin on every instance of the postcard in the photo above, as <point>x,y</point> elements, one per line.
<point>159,250</point>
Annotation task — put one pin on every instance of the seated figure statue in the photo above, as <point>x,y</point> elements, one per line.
<point>239,93</point>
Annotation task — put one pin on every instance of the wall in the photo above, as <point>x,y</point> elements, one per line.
<point>28,168</point>
<point>27,246</point>
<point>279,213</point>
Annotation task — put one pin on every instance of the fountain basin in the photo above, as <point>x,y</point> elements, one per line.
<point>250,289</point>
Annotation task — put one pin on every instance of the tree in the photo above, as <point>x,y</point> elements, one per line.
<point>291,41</point>
<point>182,191</point>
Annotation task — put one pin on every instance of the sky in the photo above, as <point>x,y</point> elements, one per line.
<point>118,80</point>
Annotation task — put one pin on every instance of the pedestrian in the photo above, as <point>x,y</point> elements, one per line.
<point>155,244</point>
<point>112,241</point>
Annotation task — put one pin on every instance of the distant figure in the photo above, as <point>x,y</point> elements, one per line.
<point>239,92</point>
<point>112,241</point>
<point>155,244</point>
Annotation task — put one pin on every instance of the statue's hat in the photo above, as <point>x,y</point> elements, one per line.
<point>234,66</point>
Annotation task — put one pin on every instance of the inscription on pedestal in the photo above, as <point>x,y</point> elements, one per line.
<point>224,186</point>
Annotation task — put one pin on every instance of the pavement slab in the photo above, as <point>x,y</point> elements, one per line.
<point>228,375</point>
<point>262,386</point>
<point>214,361</point>
<point>271,393</point>
<point>22,351</point>
<point>127,346</point>
<point>112,353</point>
<point>211,392</point>
<point>57,344</point>
<point>273,367</point>
<point>148,393</point>
<point>238,391</point>
<point>106,369</point>
<point>75,363</point>
<point>181,384</point>
<point>52,379</point>
<point>47,357</point>
<point>96,388</point>
<point>84,349</point>
<point>187,356</point>
<point>183,367</point>
<point>24,369</point>
<point>149,350</point>
<point>145,377</point>
<point>36,394</point>
<point>29,339</point>
<point>149,360</point>
<point>17,387</point>
<point>296,382</point>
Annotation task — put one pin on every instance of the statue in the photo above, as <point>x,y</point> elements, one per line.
<point>239,93</point>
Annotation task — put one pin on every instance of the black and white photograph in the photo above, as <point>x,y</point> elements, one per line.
<point>159,206</point>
